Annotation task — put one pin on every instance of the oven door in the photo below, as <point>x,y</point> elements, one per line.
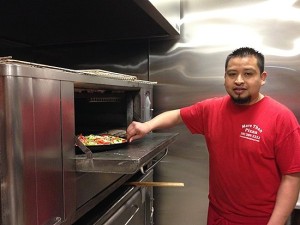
<point>130,205</point>
<point>137,209</point>
<point>131,213</point>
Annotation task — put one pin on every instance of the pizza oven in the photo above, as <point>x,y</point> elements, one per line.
<point>46,178</point>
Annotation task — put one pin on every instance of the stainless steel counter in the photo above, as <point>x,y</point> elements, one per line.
<point>126,160</point>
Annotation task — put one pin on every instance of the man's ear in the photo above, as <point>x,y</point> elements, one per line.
<point>263,77</point>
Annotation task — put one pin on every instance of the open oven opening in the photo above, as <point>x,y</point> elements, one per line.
<point>98,111</point>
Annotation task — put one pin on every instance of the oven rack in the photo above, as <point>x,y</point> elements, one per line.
<point>113,75</point>
<point>108,74</point>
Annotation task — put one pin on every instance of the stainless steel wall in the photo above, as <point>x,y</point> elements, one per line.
<point>192,68</point>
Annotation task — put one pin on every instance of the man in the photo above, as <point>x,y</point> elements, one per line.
<point>253,143</point>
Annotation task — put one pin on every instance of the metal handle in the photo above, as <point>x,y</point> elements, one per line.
<point>154,164</point>
<point>134,213</point>
<point>151,214</point>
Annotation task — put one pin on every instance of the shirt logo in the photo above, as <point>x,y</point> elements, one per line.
<point>251,132</point>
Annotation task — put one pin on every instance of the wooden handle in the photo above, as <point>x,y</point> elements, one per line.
<point>156,184</point>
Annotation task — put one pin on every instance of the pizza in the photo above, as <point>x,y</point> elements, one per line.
<point>101,139</point>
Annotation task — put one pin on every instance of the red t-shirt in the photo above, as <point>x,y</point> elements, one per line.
<point>250,148</point>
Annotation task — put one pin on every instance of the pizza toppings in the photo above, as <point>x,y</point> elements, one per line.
<point>101,139</point>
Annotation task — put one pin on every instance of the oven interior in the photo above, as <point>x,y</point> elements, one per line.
<point>99,111</point>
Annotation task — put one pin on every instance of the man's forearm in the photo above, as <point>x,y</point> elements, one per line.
<point>165,120</point>
<point>286,199</point>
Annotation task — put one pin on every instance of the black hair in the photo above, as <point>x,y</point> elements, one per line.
<point>246,51</point>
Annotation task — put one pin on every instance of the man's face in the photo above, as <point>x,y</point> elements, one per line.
<point>243,80</point>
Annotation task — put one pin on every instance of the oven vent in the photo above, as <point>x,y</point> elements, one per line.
<point>105,99</point>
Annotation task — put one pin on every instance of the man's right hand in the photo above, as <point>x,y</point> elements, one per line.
<point>137,130</point>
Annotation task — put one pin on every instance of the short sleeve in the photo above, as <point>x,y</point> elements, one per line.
<point>195,116</point>
<point>191,117</point>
